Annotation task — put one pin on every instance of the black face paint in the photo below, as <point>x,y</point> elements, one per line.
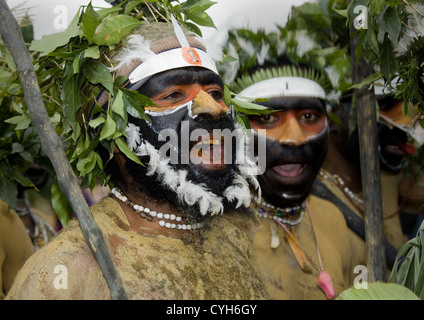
<point>287,191</point>
<point>389,151</point>
<point>180,122</point>
<point>389,141</point>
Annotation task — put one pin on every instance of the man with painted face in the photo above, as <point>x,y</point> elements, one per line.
<point>158,221</point>
<point>341,171</point>
<point>300,246</point>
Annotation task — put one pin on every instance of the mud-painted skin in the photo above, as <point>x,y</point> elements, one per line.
<point>297,140</point>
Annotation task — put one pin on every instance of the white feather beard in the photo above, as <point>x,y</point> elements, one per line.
<point>248,170</point>
<point>190,193</point>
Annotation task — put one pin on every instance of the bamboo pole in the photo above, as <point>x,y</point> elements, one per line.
<point>52,146</point>
<point>370,167</point>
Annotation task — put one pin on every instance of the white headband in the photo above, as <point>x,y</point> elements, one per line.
<point>172,59</point>
<point>185,56</point>
<point>284,87</point>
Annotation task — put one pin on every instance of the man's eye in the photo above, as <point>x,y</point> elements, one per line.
<point>266,118</point>
<point>216,95</point>
<point>309,117</point>
<point>175,95</point>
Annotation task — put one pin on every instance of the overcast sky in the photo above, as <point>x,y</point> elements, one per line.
<point>49,16</point>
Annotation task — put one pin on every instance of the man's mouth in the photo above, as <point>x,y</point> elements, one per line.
<point>400,150</point>
<point>290,170</point>
<point>208,153</point>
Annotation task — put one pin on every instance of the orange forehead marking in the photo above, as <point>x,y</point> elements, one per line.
<point>191,56</point>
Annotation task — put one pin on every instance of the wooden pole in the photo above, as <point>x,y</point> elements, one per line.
<point>52,146</point>
<point>370,167</point>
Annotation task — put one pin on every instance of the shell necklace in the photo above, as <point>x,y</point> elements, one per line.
<point>167,220</point>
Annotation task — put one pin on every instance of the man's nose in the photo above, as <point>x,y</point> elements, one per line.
<point>292,133</point>
<point>205,104</point>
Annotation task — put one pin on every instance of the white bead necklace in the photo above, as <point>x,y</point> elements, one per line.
<point>151,214</point>
<point>341,184</point>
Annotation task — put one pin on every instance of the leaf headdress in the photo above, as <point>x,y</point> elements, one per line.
<point>293,50</point>
<point>75,68</point>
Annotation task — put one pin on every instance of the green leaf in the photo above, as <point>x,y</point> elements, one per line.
<point>50,42</point>
<point>388,62</point>
<point>342,12</point>
<point>92,52</point>
<point>131,5</point>
<point>5,75</point>
<point>96,72</point>
<point>17,147</point>
<point>367,81</point>
<point>118,105</point>
<point>104,12</point>
<point>108,129</point>
<point>114,28</point>
<point>94,123</point>
<point>8,191</point>
<point>378,291</point>
<point>201,18</point>
<point>22,122</point>
<point>197,6</point>
<point>127,151</point>
<point>16,119</point>
<point>243,120</point>
<point>249,107</point>
<point>71,98</point>
<point>23,180</point>
<point>227,95</point>
<point>61,205</point>
<point>389,22</point>
<point>90,21</point>
<point>133,101</point>
<point>86,165</point>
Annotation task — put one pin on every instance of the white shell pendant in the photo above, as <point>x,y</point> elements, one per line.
<point>275,239</point>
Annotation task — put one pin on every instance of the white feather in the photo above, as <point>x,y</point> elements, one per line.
<point>138,48</point>
<point>262,55</point>
<point>179,33</point>
<point>133,133</point>
<point>304,43</point>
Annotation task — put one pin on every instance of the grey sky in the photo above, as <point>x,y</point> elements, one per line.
<point>49,16</point>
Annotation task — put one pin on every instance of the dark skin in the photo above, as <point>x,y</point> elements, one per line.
<point>168,90</point>
<point>296,146</point>
<point>343,155</point>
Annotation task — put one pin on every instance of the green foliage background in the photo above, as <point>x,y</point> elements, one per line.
<point>71,75</point>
